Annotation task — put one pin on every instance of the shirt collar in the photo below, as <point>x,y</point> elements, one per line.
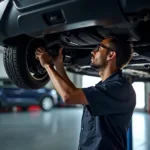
<point>112,77</point>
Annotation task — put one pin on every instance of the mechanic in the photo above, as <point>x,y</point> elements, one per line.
<point>109,105</point>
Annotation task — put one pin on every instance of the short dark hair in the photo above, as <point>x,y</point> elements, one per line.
<point>123,51</point>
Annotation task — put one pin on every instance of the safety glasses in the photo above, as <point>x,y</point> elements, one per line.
<point>102,45</point>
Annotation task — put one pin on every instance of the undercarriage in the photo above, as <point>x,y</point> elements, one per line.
<point>76,25</point>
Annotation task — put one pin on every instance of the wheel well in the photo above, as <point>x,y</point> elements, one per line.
<point>14,40</point>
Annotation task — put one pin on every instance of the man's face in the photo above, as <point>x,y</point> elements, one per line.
<point>99,56</point>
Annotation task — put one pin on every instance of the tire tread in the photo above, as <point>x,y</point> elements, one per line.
<point>11,67</point>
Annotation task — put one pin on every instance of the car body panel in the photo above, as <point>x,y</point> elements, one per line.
<point>46,17</point>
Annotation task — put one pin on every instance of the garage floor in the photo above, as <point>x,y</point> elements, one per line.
<point>56,130</point>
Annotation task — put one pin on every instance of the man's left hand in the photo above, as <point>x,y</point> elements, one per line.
<point>43,57</point>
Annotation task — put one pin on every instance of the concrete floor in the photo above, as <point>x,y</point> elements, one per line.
<point>57,130</point>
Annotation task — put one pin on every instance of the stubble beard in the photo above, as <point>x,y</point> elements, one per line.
<point>99,67</point>
<point>96,67</point>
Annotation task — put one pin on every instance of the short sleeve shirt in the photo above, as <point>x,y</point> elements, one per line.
<point>106,119</point>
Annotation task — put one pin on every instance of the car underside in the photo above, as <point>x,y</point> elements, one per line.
<point>76,25</point>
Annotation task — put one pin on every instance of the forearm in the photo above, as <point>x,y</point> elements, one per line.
<point>61,70</point>
<point>61,85</point>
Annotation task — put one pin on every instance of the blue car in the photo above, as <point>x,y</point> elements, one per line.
<point>10,96</point>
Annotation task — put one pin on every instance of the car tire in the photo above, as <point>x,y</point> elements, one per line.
<point>18,61</point>
<point>46,103</point>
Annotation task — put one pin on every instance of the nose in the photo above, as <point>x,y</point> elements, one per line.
<point>93,52</point>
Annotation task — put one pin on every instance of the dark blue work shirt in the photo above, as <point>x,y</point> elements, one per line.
<point>106,119</point>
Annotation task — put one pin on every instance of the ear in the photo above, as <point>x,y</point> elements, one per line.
<point>111,55</point>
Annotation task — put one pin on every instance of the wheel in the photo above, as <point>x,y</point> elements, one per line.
<point>46,103</point>
<point>21,65</point>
